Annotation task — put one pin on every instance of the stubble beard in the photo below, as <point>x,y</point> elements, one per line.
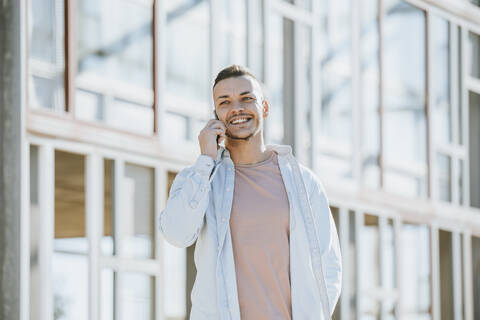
<point>233,137</point>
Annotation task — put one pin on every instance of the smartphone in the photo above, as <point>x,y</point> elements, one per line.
<point>216,117</point>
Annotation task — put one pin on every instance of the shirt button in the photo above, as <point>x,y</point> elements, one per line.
<point>223,219</point>
<point>229,169</point>
<point>228,189</point>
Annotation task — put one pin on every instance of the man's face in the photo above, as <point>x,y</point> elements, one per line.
<point>239,105</point>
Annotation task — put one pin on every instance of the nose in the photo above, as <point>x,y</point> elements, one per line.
<point>237,106</point>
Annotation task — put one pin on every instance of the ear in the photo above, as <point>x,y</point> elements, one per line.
<point>265,108</point>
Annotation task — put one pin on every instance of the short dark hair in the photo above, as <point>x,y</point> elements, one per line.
<point>233,71</point>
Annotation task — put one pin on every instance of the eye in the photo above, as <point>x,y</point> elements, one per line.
<point>224,102</point>
<point>247,98</point>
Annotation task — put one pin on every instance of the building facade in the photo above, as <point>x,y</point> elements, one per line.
<point>381,98</point>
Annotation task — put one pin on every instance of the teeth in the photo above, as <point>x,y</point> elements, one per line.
<point>241,120</point>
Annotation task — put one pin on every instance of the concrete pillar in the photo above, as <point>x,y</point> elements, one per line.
<point>11,132</point>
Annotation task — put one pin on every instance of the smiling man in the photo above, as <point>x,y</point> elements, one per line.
<point>266,243</point>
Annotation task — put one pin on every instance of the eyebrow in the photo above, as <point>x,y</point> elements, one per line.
<point>226,96</point>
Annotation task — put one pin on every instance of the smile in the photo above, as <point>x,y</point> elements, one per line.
<point>240,120</point>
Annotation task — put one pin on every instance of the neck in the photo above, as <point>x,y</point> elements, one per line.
<point>247,151</point>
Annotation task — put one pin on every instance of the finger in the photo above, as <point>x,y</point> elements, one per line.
<point>218,125</point>
<point>218,131</point>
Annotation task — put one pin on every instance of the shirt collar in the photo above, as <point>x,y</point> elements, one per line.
<point>281,149</point>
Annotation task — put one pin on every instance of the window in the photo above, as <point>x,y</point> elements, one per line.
<point>476,275</point>
<point>474,55</point>
<point>474,127</point>
<point>404,96</point>
<point>370,92</point>
<point>114,66</point>
<point>46,34</point>
<point>335,49</point>
<point>188,86</point>
<point>70,256</point>
<point>416,274</point>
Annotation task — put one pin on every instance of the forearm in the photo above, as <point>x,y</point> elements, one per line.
<point>183,216</point>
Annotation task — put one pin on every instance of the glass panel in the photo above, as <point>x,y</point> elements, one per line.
<point>303,4</point>
<point>474,149</point>
<point>274,125</point>
<point>404,99</point>
<point>107,294</point>
<point>352,254</point>
<point>388,267</point>
<point>231,41</point>
<point>336,217</point>
<point>415,266</point>
<point>175,277</point>
<point>107,242</point>
<point>336,80</point>
<point>444,164</point>
<point>475,2</point>
<point>476,275</point>
<point>115,64</point>
<point>47,54</point>
<point>474,54</point>
<point>370,92</point>
<point>446,274</point>
<point>188,79</point>
<point>442,108</point>
<point>256,31</point>
<point>138,220</point>
<point>177,126</point>
<point>460,179</point>
<point>370,266</point>
<point>35,222</point>
<point>304,96</point>
<point>136,299</point>
<point>70,260</point>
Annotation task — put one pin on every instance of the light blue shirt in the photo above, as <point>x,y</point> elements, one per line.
<point>198,209</point>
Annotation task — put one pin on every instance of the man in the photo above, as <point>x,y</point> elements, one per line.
<point>266,244</point>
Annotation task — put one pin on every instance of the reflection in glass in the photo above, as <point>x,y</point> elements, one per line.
<point>231,41</point>
<point>444,165</point>
<point>304,94</point>
<point>352,254</point>
<point>474,148</point>
<point>138,220</point>
<point>187,32</point>
<point>442,108</point>
<point>476,275</point>
<point>115,64</point>
<point>461,187</point>
<point>274,124</point>
<point>107,241</point>
<point>446,273</point>
<point>35,222</point>
<point>370,92</point>
<point>135,299</point>
<point>335,214</point>
<point>256,33</point>
<point>335,50</point>
<point>404,99</point>
<point>303,4</point>
<point>415,266</point>
<point>370,266</point>
<point>70,260</point>
<point>473,53</point>
<point>47,54</point>
<point>107,294</point>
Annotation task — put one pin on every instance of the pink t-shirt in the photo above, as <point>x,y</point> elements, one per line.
<point>259,226</point>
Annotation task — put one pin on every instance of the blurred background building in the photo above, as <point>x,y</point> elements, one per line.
<point>381,98</point>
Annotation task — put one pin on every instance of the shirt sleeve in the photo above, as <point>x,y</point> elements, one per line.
<point>181,220</point>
